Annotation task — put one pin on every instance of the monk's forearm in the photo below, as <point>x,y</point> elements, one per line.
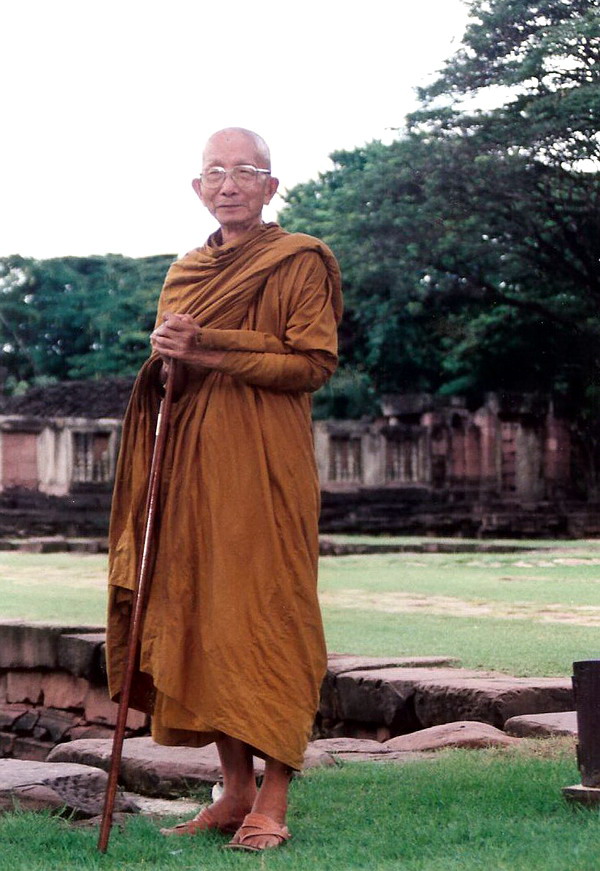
<point>241,340</point>
<point>293,372</point>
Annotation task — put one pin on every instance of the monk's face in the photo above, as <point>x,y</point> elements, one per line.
<point>237,209</point>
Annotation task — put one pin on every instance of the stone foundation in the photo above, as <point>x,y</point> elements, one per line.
<point>53,691</point>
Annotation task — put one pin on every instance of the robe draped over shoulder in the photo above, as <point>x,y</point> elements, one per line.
<point>232,639</point>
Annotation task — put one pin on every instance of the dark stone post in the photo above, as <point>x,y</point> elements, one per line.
<point>586,687</point>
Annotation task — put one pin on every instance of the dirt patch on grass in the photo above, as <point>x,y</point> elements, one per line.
<point>53,576</point>
<point>405,603</point>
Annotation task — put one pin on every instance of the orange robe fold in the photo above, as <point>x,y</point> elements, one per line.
<point>232,639</point>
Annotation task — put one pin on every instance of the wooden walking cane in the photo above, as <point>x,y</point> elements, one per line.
<point>139,597</point>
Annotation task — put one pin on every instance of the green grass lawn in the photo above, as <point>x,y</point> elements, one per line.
<point>528,613</point>
<point>525,613</point>
<point>462,811</point>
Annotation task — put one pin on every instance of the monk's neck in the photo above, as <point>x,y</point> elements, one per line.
<point>234,233</point>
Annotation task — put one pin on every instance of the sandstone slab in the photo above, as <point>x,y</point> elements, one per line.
<point>31,749</point>
<point>407,699</point>
<point>337,663</point>
<point>364,750</point>
<point>349,745</point>
<point>153,769</point>
<point>24,686</point>
<point>90,731</point>
<point>34,645</point>
<point>586,795</point>
<point>100,709</point>
<point>9,714</point>
<point>461,734</point>
<point>542,725</point>
<point>54,724</point>
<point>7,743</point>
<point>81,655</point>
<point>63,690</point>
<point>386,695</point>
<point>489,698</point>
<point>74,789</point>
<point>344,663</point>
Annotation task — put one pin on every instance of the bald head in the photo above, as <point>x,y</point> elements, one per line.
<point>239,136</point>
<point>235,202</point>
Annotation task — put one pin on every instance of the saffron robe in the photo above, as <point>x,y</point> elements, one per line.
<point>232,638</point>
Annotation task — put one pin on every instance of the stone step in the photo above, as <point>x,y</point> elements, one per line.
<point>406,699</point>
<point>36,645</point>
<point>153,769</point>
<point>542,725</point>
<point>71,788</point>
<point>76,791</point>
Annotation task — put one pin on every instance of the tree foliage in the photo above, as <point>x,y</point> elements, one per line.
<point>76,317</point>
<point>470,246</point>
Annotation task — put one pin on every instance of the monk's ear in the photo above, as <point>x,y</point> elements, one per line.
<point>270,189</point>
<point>197,185</point>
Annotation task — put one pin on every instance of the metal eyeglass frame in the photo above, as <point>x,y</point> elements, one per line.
<point>225,172</point>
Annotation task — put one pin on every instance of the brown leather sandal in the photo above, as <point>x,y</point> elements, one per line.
<point>202,822</point>
<point>254,825</point>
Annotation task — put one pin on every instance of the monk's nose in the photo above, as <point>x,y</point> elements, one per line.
<point>229,186</point>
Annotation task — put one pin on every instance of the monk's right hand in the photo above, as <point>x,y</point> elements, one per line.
<point>177,338</point>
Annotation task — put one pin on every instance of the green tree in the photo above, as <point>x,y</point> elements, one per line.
<point>76,317</point>
<point>470,246</point>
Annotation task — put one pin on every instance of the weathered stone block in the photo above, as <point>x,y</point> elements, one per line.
<point>585,795</point>
<point>386,696</point>
<point>362,750</point>
<point>31,748</point>
<point>90,731</point>
<point>9,714</point>
<point>100,709</point>
<point>349,745</point>
<point>542,725</point>
<point>54,724</point>
<point>146,767</point>
<point>152,769</point>
<point>62,690</point>
<point>343,663</point>
<point>25,724</point>
<point>462,734</point>
<point>7,741</point>
<point>80,655</point>
<point>33,645</point>
<point>489,699</point>
<point>338,663</point>
<point>3,687</point>
<point>75,789</point>
<point>24,686</point>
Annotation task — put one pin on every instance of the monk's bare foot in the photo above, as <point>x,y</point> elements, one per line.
<point>225,815</point>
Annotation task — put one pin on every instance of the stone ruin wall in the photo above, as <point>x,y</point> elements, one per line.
<point>426,466</point>
<point>53,689</point>
<point>53,692</point>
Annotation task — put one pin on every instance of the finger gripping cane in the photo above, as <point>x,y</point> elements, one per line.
<point>139,596</point>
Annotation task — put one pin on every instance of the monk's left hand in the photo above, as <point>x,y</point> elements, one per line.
<point>177,338</point>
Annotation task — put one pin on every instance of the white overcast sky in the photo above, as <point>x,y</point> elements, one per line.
<point>106,105</point>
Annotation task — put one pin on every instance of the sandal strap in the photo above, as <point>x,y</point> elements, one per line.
<point>259,824</point>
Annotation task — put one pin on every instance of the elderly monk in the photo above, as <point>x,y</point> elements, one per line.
<point>232,646</point>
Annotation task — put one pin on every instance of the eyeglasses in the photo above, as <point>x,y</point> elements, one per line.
<point>244,176</point>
